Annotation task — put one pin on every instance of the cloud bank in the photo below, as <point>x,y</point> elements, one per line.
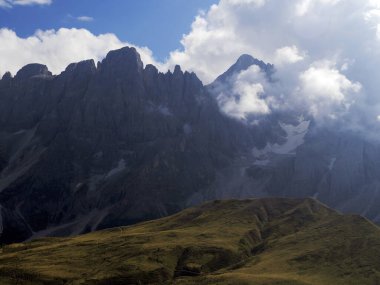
<point>58,48</point>
<point>326,53</point>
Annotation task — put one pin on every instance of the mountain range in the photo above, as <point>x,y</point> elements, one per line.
<point>114,143</point>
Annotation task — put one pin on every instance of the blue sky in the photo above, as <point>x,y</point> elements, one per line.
<point>157,24</point>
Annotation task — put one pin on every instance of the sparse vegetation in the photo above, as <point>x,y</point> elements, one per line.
<point>263,241</point>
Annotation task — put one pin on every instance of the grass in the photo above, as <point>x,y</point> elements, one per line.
<point>258,241</point>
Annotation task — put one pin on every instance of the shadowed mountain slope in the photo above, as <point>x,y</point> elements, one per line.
<point>106,145</point>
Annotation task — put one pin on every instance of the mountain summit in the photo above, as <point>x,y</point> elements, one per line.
<point>243,63</point>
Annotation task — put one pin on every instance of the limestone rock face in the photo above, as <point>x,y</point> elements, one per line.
<point>106,145</point>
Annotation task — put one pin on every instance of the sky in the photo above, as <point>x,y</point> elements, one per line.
<point>158,25</point>
<point>326,52</point>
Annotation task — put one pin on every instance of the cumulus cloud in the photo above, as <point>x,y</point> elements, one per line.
<point>286,55</point>
<point>245,95</point>
<point>268,29</point>
<point>58,48</point>
<point>324,91</point>
<point>304,7</point>
<point>326,52</point>
<point>10,3</point>
<point>245,2</point>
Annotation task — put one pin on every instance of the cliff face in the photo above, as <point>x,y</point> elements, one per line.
<point>106,145</point>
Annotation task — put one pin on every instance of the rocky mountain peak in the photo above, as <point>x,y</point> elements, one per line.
<point>150,68</point>
<point>177,70</point>
<point>247,60</point>
<point>33,70</point>
<point>122,62</point>
<point>243,63</point>
<point>7,76</point>
<point>86,66</point>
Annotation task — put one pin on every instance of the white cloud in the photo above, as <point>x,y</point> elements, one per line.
<point>265,28</point>
<point>303,7</point>
<point>85,19</point>
<point>286,55</point>
<point>247,2</point>
<point>10,3</point>
<point>325,91</point>
<point>295,35</point>
<point>57,49</point>
<point>218,29</point>
<point>246,95</point>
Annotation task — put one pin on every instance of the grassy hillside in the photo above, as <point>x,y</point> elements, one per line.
<point>263,241</point>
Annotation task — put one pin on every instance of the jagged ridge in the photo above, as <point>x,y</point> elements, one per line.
<point>106,145</point>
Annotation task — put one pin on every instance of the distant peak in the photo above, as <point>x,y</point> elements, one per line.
<point>243,63</point>
<point>245,58</point>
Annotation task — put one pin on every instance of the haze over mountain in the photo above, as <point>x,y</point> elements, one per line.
<point>115,143</point>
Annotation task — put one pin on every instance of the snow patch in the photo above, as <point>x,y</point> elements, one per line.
<point>295,137</point>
